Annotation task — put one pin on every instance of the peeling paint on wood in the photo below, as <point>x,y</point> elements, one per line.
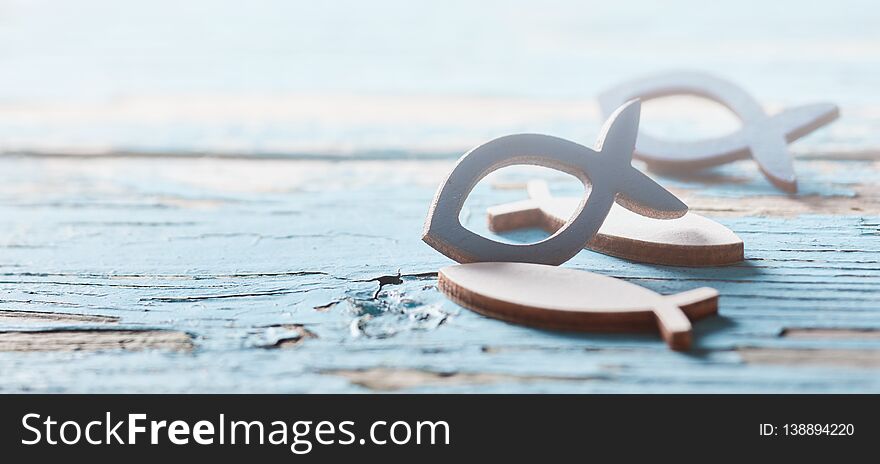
<point>812,357</point>
<point>296,336</point>
<point>95,340</point>
<point>383,379</point>
<point>865,199</point>
<point>835,334</point>
<point>42,317</point>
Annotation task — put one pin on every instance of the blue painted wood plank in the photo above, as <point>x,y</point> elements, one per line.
<point>238,263</point>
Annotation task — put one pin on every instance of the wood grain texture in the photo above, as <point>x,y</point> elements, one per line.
<point>94,340</point>
<point>246,255</point>
<point>869,359</point>
<point>382,379</point>
<point>44,317</point>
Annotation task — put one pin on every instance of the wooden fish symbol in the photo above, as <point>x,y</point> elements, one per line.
<point>568,299</point>
<point>691,240</point>
<point>607,171</point>
<point>762,137</point>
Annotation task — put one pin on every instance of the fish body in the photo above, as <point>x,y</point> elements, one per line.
<point>572,300</point>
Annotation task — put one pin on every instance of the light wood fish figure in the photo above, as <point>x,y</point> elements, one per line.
<point>763,137</point>
<point>568,299</point>
<point>691,240</point>
<point>607,170</point>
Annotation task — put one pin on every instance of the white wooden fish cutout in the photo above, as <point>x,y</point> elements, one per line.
<point>567,299</point>
<point>762,137</point>
<point>607,171</point>
<point>691,240</point>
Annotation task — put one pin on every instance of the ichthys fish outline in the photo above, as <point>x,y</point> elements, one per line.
<point>607,169</point>
<point>762,136</point>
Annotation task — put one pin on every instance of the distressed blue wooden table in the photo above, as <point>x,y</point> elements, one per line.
<point>129,274</point>
<point>154,238</point>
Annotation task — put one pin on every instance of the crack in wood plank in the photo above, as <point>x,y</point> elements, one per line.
<point>185,299</point>
<point>300,335</point>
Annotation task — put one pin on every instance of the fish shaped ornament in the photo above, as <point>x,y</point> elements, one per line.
<point>763,137</point>
<point>691,240</point>
<point>567,299</point>
<point>606,172</point>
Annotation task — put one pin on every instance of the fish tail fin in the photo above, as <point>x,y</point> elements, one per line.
<point>516,215</point>
<point>699,300</point>
<point>799,121</point>
<point>640,194</point>
<point>617,139</point>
